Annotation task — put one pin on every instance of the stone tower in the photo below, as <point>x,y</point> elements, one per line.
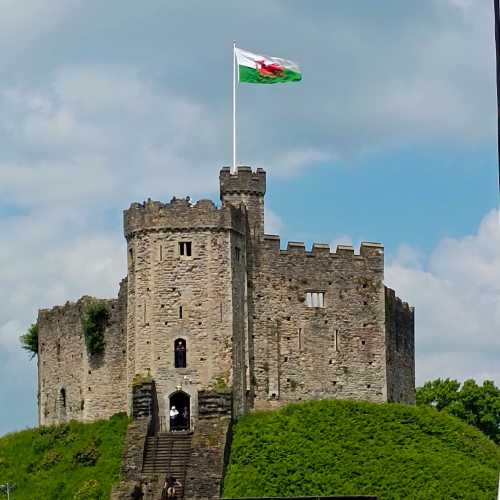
<point>186,275</point>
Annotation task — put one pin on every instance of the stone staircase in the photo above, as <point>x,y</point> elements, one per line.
<point>168,453</point>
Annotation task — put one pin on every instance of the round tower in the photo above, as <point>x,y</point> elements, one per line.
<point>183,309</point>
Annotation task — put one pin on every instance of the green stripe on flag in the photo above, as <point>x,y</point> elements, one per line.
<point>251,75</point>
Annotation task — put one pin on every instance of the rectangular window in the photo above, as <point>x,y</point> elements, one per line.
<point>185,248</point>
<point>237,254</point>
<point>315,299</point>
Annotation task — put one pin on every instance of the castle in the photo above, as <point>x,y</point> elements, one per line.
<point>210,302</point>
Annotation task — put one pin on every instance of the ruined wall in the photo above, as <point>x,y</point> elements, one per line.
<point>93,387</point>
<point>309,352</point>
<point>400,344</point>
<point>183,297</point>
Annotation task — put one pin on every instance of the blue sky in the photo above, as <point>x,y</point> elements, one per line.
<point>389,137</point>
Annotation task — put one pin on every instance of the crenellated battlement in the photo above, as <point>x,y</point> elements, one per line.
<point>181,214</point>
<point>243,181</point>
<point>272,243</point>
<point>394,299</point>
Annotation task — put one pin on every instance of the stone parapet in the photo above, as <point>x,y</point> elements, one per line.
<point>367,250</point>
<point>180,215</point>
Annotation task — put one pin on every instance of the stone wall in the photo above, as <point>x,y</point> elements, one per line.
<point>337,351</point>
<point>210,446</point>
<point>73,384</point>
<point>400,344</point>
<point>195,298</point>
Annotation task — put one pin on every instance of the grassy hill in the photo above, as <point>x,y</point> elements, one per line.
<point>74,461</point>
<point>345,448</point>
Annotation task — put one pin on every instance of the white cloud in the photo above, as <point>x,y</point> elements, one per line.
<point>456,295</point>
<point>291,163</point>
<point>105,133</point>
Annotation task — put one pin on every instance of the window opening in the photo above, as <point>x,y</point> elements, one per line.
<point>185,248</point>
<point>336,341</point>
<point>161,253</point>
<point>315,299</point>
<point>237,254</point>
<point>63,398</point>
<point>180,353</point>
<point>180,312</point>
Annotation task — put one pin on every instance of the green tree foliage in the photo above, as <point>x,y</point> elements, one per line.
<point>29,340</point>
<point>475,404</point>
<point>74,461</point>
<point>356,448</point>
<point>95,320</point>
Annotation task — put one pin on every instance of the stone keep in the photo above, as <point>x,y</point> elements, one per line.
<point>268,325</point>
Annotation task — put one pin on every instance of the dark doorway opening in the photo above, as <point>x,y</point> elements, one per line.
<point>179,411</point>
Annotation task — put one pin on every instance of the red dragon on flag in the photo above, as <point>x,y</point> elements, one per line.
<point>270,70</point>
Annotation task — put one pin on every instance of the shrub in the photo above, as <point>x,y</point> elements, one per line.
<point>355,448</point>
<point>88,456</point>
<point>95,320</point>
<point>89,490</point>
<point>29,341</point>
<point>51,458</point>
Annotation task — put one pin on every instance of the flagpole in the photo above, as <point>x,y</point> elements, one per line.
<point>234,107</point>
<point>496,11</point>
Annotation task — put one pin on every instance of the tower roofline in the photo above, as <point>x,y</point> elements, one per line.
<point>245,180</point>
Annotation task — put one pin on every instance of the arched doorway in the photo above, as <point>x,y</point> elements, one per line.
<point>180,414</point>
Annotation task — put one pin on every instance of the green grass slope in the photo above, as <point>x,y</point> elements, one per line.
<point>346,448</point>
<point>74,461</point>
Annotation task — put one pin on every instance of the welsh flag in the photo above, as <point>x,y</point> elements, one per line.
<point>253,68</point>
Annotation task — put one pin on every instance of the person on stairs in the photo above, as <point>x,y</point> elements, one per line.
<point>170,488</point>
<point>174,413</point>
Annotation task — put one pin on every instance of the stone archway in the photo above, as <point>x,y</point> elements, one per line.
<point>180,411</point>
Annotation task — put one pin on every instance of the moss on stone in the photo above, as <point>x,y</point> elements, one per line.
<point>141,378</point>
<point>95,319</point>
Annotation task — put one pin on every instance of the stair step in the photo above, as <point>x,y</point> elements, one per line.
<point>168,453</point>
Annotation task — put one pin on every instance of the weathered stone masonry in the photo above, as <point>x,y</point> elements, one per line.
<point>210,277</point>
<point>72,384</point>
